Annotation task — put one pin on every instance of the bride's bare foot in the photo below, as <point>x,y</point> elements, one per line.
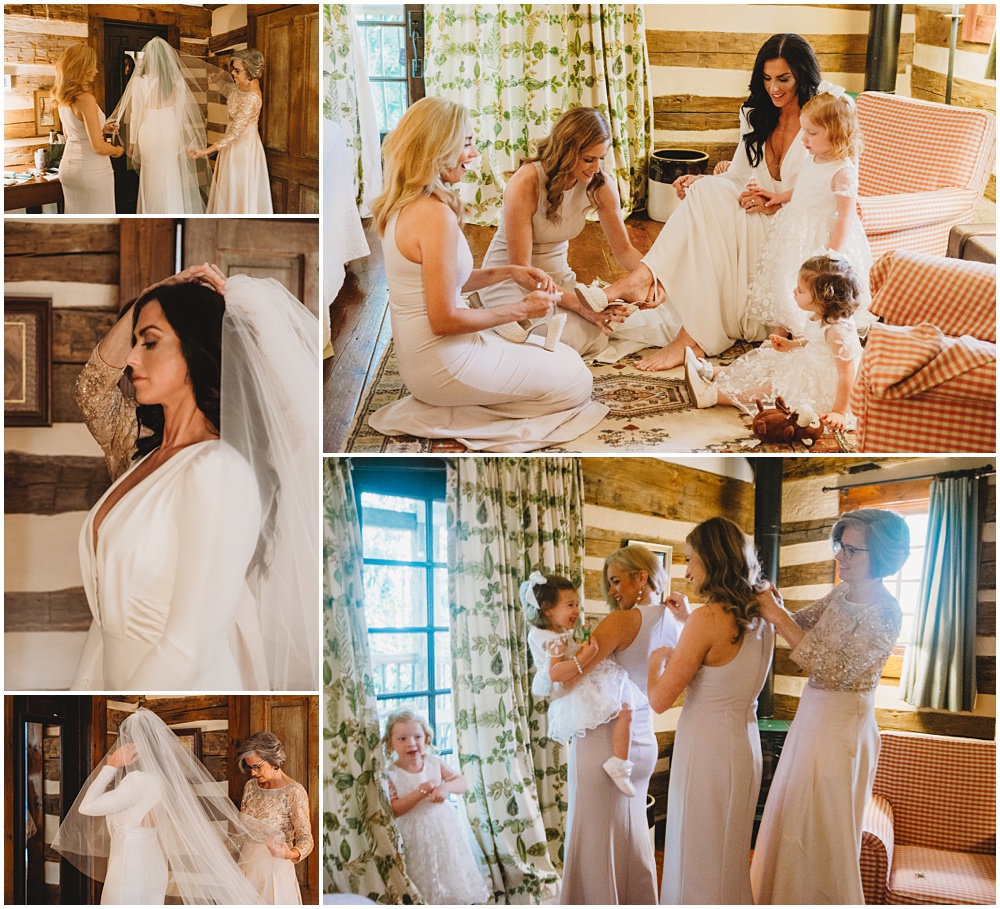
<point>633,287</point>
<point>670,356</point>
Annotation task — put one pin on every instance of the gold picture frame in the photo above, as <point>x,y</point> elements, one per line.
<point>27,369</point>
<point>46,112</point>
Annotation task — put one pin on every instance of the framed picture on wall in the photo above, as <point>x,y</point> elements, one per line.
<point>27,361</point>
<point>46,111</point>
<point>191,740</point>
<point>664,552</point>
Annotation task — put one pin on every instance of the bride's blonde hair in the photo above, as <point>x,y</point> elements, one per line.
<point>427,141</point>
<point>72,70</point>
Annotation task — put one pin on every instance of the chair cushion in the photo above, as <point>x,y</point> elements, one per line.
<point>922,875</point>
<point>958,297</point>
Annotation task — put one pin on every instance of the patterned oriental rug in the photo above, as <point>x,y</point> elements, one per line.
<point>649,412</point>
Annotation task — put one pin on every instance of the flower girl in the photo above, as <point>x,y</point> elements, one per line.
<point>552,606</point>
<point>439,859</point>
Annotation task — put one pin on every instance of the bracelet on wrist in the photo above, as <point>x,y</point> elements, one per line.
<point>579,669</point>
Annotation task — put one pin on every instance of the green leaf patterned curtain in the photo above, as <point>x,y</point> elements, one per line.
<point>361,852</point>
<point>939,667</point>
<point>347,100</point>
<point>517,68</point>
<point>506,517</point>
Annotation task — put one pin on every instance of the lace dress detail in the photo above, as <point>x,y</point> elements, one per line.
<point>801,230</point>
<point>593,701</point>
<point>804,376</point>
<point>439,858</point>
<point>846,643</point>
<point>241,184</point>
<point>285,809</point>
<point>244,111</point>
<point>109,414</point>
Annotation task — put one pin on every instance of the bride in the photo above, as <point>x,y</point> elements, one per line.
<point>151,821</point>
<point>199,560</point>
<point>158,120</point>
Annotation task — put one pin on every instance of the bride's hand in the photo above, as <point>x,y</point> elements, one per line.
<point>123,756</point>
<point>530,278</point>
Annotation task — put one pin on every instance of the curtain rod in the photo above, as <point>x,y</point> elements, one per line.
<point>970,472</point>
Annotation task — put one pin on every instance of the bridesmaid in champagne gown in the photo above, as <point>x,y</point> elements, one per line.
<point>608,856</point>
<point>85,173</point>
<point>721,662</point>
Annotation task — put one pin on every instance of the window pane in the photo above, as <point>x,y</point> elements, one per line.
<point>379,12</point>
<point>442,657</point>
<point>440,518</point>
<point>395,103</point>
<point>913,567</point>
<point>417,705</point>
<point>399,662</point>
<point>395,597</point>
<point>444,737</point>
<point>392,52</point>
<point>393,527</point>
<point>441,597</point>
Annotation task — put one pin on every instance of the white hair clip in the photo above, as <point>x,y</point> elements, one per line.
<point>528,600</point>
<point>837,91</point>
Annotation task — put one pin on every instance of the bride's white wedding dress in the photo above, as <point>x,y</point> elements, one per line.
<point>166,580</point>
<point>137,869</point>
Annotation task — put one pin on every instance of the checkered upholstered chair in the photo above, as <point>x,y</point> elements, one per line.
<point>923,169</point>
<point>929,832</point>
<point>927,379</point>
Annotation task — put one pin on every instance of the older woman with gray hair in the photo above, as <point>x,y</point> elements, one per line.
<point>810,836</point>
<point>273,802</point>
<point>241,185</point>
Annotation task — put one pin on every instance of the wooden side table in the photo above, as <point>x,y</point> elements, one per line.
<point>32,194</point>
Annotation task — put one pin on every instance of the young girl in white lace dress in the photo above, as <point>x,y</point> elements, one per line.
<point>439,859</point>
<point>552,606</point>
<point>820,214</point>
<point>812,370</point>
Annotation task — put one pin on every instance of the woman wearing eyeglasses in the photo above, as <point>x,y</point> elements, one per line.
<point>272,800</point>
<point>809,842</point>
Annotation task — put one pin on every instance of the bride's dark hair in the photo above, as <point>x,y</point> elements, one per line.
<point>195,313</point>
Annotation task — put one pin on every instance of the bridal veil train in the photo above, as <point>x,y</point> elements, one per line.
<point>159,119</point>
<point>151,822</point>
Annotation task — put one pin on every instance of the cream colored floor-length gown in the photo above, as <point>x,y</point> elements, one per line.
<point>706,256</point>
<point>87,179</point>
<point>166,584</point>
<point>549,252</point>
<point>608,856</point>
<point>809,842</point>
<point>241,185</point>
<point>137,868</point>
<point>489,394</point>
<point>715,775</point>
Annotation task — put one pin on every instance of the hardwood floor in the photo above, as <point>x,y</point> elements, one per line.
<point>360,314</point>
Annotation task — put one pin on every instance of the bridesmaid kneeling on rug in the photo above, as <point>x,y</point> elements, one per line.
<point>465,383</point>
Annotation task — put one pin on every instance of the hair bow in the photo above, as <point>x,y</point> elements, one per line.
<point>528,600</point>
<point>837,91</point>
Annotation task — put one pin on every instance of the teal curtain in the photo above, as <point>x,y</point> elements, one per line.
<point>361,845</point>
<point>517,68</point>
<point>939,668</point>
<point>506,517</point>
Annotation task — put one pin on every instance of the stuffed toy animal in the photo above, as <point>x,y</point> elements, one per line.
<point>779,424</point>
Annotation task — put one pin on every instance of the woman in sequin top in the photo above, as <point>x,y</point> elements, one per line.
<point>241,185</point>
<point>809,842</point>
<point>274,800</point>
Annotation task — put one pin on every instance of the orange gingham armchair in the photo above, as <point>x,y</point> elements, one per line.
<point>927,379</point>
<point>923,169</point>
<point>929,831</point>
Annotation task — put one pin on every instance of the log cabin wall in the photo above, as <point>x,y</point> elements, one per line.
<point>806,573</point>
<point>53,475</point>
<point>35,36</point>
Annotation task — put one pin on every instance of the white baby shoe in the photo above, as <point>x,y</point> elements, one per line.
<point>621,774</point>
<point>703,392</point>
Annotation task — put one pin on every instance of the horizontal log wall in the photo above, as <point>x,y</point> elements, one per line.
<point>806,573</point>
<point>54,475</point>
<point>35,36</point>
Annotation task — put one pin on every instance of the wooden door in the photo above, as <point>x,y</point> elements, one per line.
<point>295,720</point>
<point>285,249</point>
<point>289,40</point>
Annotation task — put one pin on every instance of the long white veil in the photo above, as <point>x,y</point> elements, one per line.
<point>269,413</point>
<point>159,117</point>
<point>197,827</point>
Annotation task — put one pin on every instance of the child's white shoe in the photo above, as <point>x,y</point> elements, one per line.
<point>621,774</point>
<point>703,393</point>
<point>703,367</point>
